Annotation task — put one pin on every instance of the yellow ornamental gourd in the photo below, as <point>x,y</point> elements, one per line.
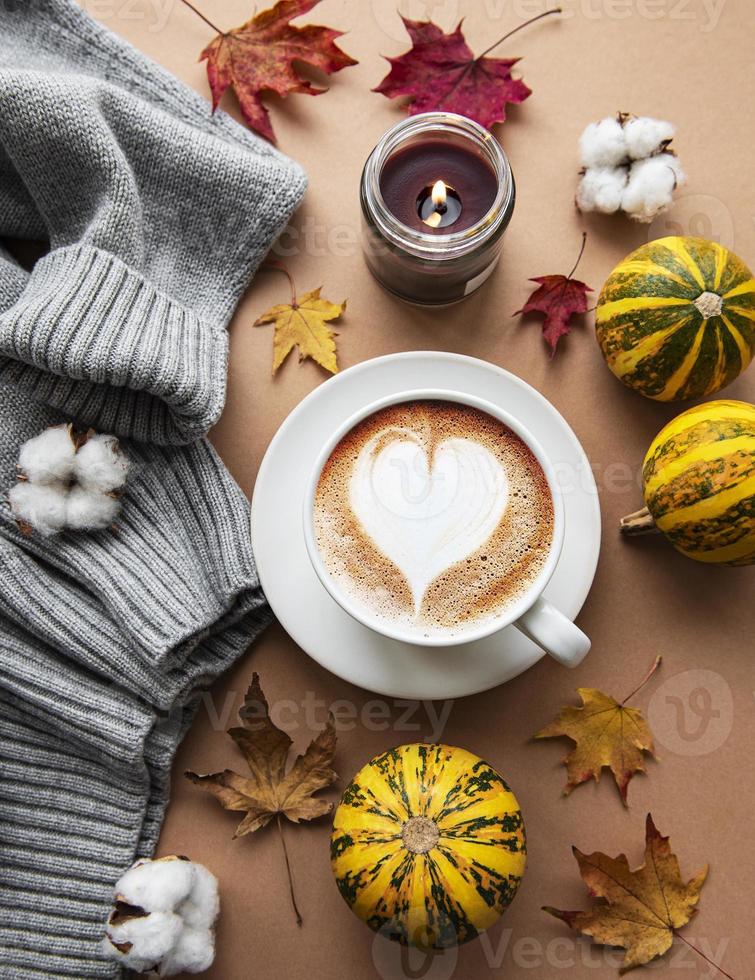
<point>699,484</point>
<point>676,318</point>
<point>428,845</point>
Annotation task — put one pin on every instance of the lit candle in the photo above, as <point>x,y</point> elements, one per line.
<point>437,194</point>
<point>439,206</point>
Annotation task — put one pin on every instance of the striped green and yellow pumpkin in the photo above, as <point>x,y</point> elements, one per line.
<point>676,318</point>
<point>428,845</point>
<point>699,482</point>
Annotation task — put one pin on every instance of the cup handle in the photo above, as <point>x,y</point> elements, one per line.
<point>554,633</point>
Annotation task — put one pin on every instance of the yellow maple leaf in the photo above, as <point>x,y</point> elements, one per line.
<point>606,734</point>
<point>303,324</point>
<point>639,910</point>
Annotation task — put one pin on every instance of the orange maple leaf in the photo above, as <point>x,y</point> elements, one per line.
<point>606,734</point>
<point>642,910</point>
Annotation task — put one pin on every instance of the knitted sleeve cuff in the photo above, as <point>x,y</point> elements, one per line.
<point>158,213</point>
<point>177,569</point>
<point>93,338</point>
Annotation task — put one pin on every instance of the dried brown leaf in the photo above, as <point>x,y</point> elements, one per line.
<point>270,790</point>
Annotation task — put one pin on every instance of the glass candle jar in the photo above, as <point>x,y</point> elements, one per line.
<point>437,194</point>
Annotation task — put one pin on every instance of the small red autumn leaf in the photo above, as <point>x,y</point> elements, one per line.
<point>559,298</point>
<point>259,57</point>
<point>440,72</point>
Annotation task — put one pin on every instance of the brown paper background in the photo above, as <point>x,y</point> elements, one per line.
<point>669,58</point>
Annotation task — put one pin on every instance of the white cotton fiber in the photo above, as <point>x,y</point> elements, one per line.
<point>100,465</point>
<point>602,144</point>
<point>152,936</point>
<point>628,166</point>
<point>644,136</point>
<point>157,886</point>
<point>651,186</point>
<point>176,932</point>
<point>203,904</point>
<point>129,959</point>
<point>62,487</point>
<point>49,457</point>
<point>193,953</point>
<point>43,507</point>
<point>88,511</point>
<point>601,189</point>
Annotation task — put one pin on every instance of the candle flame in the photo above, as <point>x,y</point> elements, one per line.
<point>439,193</point>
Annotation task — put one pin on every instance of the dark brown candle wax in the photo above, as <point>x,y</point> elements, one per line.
<point>408,176</point>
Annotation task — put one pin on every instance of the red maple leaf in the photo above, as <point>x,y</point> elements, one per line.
<point>259,57</point>
<point>559,298</point>
<point>440,72</point>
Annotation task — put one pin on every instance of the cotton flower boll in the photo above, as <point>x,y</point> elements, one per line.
<point>69,481</point>
<point>193,953</point>
<point>152,937</point>
<point>44,507</point>
<point>603,144</point>
<point>644,136</point>
<point>49,457</point>
<point>158,886</point>
<point>164,916</point>
<point>651,186</point>
<point>100,465</point>
<point>86,510</point>
<point>601,189</point>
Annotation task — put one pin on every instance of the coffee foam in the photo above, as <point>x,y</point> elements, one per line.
<point>434,516</point>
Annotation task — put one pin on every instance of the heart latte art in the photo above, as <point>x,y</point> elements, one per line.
<point>433,515</point>
<point>426,519</point>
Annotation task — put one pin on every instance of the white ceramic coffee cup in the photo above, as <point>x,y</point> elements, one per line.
<point>550,629</point>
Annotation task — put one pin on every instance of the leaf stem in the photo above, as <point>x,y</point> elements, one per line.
<point>277,264</point>
<point>546,13</point>
<point>288,868</point>
<point>579,257</point>
<point>645,679</point>
<point>202,17</point>
<point>706,958</point>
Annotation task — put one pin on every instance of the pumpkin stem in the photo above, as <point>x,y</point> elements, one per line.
<point>709,304</point>
<point>420,835</point>
<point>640,522</point>
<point>290,876</point>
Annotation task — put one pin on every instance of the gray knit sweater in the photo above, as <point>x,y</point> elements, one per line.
<point>157,214</point>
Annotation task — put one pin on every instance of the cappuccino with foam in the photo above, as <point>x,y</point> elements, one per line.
<point>433,516</point>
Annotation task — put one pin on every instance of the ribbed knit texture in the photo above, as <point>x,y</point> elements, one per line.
<point>157,214</point>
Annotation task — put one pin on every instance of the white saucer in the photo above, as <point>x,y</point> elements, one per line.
<point>317,623</point>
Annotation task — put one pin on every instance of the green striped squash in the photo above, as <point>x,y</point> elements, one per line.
<point>676,318</point>
<point>699,482</point>
<point>428,845</point>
